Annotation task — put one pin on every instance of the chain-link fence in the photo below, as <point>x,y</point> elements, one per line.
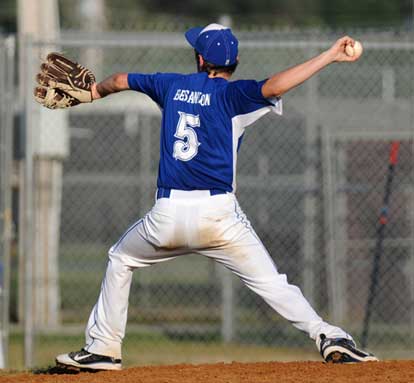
<point>312,183</point>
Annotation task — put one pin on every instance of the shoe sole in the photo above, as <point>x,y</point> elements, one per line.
<point>68,368</point>
<point>338,354</point>
<point>72,365</point>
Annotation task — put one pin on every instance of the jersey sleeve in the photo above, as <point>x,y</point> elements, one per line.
<point>245,96</point>
<point>154,85</point>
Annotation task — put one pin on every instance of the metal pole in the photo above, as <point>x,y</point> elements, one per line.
<point>410,263</point>
<point>7,142</point>
<point>310,182</point>
<point>3,188</point>
<point>341,243</point>
<point>329,212</point>
<point>227,305</point>
<point>410,274</point>
<point>29,214</point>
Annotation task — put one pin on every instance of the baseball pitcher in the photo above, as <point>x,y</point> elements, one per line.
<point>204,116</point>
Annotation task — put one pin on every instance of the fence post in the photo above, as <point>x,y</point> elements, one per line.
<point>6,150</point>
<point>411,210</point>
<point>227,305</point>
<point>29,229</point>
<point>3,206</point>
<point>329,191</point>
<point>310,182</point>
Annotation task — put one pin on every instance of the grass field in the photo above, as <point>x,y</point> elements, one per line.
<point>153,350</point>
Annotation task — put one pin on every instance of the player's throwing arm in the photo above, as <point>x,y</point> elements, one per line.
<point>344,49</point>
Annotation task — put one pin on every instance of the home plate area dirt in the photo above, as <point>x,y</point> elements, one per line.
<point>287,372</point>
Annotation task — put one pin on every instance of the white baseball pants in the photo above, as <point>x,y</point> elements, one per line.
<point>186,223</point>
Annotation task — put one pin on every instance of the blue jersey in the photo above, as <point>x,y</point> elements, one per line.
<point>203,121</point>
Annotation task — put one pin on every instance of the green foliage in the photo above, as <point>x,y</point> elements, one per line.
<point>179,15</point>
<point>365,12</point>
<point>296,13</point>
<point>8,12</point>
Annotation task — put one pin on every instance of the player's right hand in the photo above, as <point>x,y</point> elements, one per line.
<point>337,50</point>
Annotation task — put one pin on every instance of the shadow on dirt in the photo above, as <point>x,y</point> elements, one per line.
<point>60,370</point>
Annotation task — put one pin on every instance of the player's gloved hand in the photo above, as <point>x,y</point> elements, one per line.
<point>63,83</point>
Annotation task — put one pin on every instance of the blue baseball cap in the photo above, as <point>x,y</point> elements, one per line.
<point>215,42</point>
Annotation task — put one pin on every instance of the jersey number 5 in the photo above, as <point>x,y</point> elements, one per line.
<point>186,147</point>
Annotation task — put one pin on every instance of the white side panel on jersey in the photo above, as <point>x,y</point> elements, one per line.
<point>240,122</point>
<point>278,105</point>
<point>238,131</point>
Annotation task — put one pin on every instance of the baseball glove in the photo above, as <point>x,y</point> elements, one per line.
<point>63,83</point>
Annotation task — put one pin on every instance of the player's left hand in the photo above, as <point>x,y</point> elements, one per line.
<point>63,83</point>
<point>337,50</point>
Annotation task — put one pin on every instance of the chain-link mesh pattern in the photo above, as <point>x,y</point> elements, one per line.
<point>312,183</point>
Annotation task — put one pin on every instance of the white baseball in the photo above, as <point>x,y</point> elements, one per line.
<point>355,50</point>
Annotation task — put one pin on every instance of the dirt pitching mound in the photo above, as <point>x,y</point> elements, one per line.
<point>291,372</point>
